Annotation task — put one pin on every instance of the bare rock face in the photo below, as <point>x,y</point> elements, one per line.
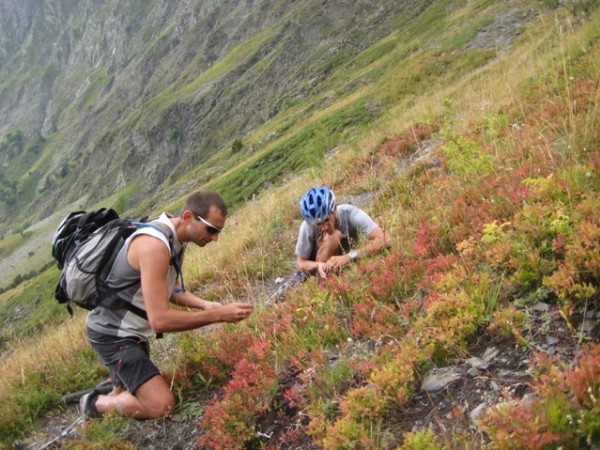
<point>133,91</point>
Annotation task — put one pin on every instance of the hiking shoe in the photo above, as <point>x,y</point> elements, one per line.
<point>87,405</point>
<point>298,278</point>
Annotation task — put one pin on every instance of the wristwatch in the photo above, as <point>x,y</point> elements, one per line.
<point>352,254</point>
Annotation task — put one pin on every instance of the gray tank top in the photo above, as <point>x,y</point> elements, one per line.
<point>122,322</point>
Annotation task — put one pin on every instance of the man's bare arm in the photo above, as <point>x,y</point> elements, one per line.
<point>153,259</point>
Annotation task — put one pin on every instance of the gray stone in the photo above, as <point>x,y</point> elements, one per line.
<point>478,363</point>
<point>436,380</point>
<point>473,372</point>
<point>490,354</point>
<point>477,411</point>
<point>541,307</point>
<point>588,325</point>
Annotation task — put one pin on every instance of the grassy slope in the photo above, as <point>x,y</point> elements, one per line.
<point>505,214</point>
<point>503,143</point>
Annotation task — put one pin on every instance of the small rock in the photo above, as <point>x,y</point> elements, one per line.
<point>588,325</point>
<point>436,380</point>
<point>551,340</point>
<point>478,363</point>
<point>477,411</point>
<point>541,307</point>
<point>473,372</point>
<point>490,354</point>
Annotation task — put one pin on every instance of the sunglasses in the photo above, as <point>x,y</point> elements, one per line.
<point>209,226</point>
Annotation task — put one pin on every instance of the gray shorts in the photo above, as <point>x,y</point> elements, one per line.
<point>128,359</point>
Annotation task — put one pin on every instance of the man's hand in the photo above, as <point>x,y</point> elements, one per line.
<point>234,312</point>
<point>322,270</point>
<point>335,263</point>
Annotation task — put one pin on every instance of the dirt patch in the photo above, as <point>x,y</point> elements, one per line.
<point>63,429</point>
<point>175,433</point>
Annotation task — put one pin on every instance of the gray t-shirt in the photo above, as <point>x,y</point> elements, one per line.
<point>122,322</point>
<point>350,221</point>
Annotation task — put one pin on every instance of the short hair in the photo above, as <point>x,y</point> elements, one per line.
<point>200,203</point>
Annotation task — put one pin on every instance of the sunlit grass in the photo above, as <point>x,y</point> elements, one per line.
<point>36,372</point>
<point>237,249</point>
<point>47,354</point>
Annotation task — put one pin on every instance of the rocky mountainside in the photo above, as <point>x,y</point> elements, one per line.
<point>99,96</point>
<point>133,104</point>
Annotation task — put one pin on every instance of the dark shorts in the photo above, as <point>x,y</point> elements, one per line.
<point>128,359</point>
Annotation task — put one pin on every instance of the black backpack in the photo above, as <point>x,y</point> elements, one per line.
<point>85,246</point>
<point>75,228</point>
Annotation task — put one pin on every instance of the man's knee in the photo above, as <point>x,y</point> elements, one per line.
<point>156,397</point>
<point>329,246</point>
<point>164,409</point>
<point>158,407</point>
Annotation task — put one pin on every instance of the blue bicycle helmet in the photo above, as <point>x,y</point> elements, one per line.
<point>316,205</point>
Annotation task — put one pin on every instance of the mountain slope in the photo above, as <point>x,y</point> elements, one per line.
<point>155,97</point>
<point>142,91</point>
<point>479,157</point>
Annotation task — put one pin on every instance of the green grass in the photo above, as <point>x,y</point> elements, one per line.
<point>301,151</point>
<point>42,390</point>
<point>11,242</point>
<point>98,81</point>
<point>238,56</point>
<point>30,307</point>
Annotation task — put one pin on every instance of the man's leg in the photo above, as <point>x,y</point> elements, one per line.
<point>330,245</point>
<point>139,389</point>
<point>151,400</point>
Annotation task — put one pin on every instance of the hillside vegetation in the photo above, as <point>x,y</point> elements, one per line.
<point>144,92</point>
<point>481,162</point>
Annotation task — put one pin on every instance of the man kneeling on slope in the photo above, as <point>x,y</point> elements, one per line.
<point>329,233</point>
<point>120,337</point>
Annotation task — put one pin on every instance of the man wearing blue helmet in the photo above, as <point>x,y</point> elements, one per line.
<point>329,233</point>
